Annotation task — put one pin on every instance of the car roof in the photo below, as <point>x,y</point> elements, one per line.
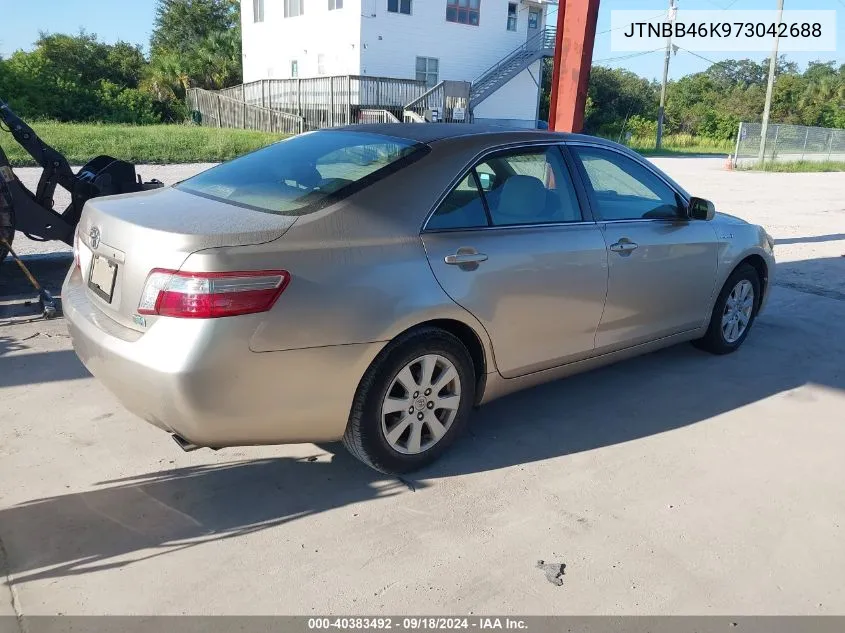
<point>474,136</point>
<point>433,132</point>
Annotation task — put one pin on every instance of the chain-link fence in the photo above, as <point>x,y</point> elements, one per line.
<point>789,143</point>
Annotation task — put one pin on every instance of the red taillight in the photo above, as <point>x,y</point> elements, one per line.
<point>211,295</point>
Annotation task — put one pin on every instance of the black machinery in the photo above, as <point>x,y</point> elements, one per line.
<point>32,213</point>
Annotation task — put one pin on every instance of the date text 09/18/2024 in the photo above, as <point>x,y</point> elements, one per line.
<point>416,623</point>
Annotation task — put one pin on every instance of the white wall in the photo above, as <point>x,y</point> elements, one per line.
<point>516,100</point>
<point>363,38</point>
<point>269,46</point>
<point>391,42</point>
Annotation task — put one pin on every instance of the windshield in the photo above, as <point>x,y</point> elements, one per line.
<point>304,173</point>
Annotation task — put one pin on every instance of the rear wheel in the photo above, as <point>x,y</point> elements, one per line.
<point>412,403</point>
<point>734,312</point>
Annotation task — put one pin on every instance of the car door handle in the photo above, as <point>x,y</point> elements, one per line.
<point>465,256</point>
<point>624,246</point>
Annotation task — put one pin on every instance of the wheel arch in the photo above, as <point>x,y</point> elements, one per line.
<point>758,263</point>
<point>470,339</point>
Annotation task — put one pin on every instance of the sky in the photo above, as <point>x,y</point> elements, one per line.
<point>132,21</point>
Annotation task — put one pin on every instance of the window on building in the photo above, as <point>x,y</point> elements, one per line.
<point>335,4</point>
<point>463,11</point>
<point>533,19</point>
<point>294,68</point>
<point>399,6</point>
<point>294,8</point>
<point>321,64</point>
<point>427,70</point>
<point>257,10</point>
<point>512,8</point>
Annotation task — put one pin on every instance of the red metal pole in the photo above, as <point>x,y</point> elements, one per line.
<point>576,33</point>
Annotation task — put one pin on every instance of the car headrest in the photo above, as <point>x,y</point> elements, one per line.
<point>522,196</point>
<point>304,174</point>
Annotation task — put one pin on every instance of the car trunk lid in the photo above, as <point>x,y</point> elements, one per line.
<point>122,238</point>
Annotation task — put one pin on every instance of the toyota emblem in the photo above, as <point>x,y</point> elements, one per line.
<point>94,236</point>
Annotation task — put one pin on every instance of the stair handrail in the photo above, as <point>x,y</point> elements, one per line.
<point>542,37</point>
<point>422,98</point>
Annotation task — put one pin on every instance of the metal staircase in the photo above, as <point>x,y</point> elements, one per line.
<point>539,46</point>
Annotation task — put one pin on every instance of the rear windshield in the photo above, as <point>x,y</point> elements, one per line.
<point>304,173</point>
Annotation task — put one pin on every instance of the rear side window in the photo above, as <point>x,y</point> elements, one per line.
<point>305,173</point>
<point>463,208</point>
<point>511,188</point>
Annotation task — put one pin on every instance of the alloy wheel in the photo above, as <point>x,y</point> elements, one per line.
<point>738,309</point>
<point>421,404</point>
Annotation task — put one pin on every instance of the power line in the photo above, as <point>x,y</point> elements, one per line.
<point>728,6</point>
<point>628,56</point>
<point>707,59</point>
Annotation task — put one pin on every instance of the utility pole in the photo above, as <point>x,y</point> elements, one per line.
<point>660,112</point>
<point>764,128</point>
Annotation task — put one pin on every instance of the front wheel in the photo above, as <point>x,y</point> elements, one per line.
<point>734,312</point>
<point>412,403</point>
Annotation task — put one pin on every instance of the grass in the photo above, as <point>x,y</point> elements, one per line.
<point>681,144</point>
<point>80,142</point>
<point>797,166</point>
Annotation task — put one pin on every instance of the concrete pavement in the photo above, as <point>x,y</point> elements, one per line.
<point>675,483</point>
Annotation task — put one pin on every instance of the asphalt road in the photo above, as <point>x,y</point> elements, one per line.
<point>675,483</point>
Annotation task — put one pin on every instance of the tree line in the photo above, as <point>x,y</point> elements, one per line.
<point>710,104</point>
<point>195,43</point>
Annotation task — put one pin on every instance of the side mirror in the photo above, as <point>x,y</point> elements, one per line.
<point>701,209</point>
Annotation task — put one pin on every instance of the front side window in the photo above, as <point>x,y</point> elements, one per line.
<point>335,4</point>
<point>511,188</point>
<point>512,8</point>
<point>463,11</point>
<point>622,189</point>
<point>257,10</point>
<point>428,69</point>
<point>293,8</point>
<point>399,6</point>
<point>294,68</point>
<point>304,173</point>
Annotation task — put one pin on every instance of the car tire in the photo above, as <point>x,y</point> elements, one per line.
<point>379,439</point>
<point>720,337</point>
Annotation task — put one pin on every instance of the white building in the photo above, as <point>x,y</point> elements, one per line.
<point>430,40</point>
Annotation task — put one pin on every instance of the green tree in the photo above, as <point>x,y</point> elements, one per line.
<point>204,36</point>
<point>617,95</point>
<point>182,25</point>
<point>74,78</point>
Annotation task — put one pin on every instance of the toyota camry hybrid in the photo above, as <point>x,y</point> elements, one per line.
<point>375,283</point>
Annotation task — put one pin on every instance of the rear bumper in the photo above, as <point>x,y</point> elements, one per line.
<point>198,378</point>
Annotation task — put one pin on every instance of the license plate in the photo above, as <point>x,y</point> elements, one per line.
<point>102,277</point>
